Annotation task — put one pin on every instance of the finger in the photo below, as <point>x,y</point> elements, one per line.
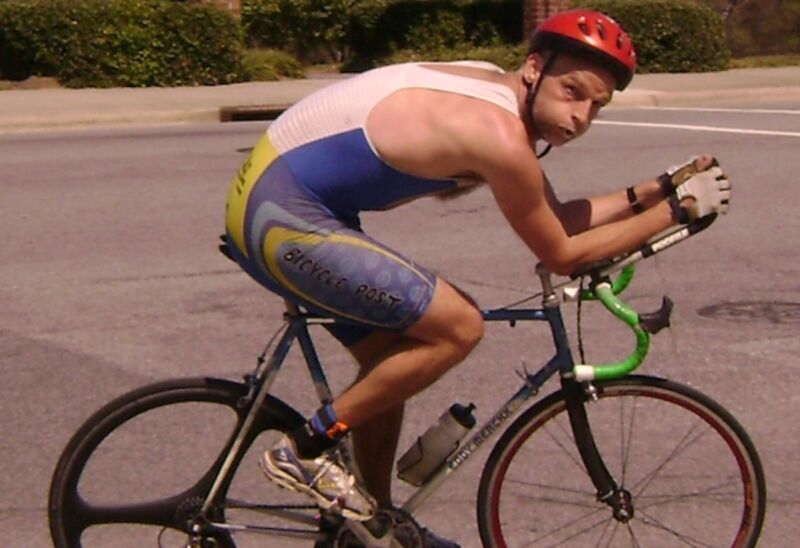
<point>702,163</point>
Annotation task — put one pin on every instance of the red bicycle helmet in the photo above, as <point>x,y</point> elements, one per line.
<point>592,35</point>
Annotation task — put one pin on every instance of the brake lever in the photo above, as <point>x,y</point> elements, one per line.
<point>653,322</point>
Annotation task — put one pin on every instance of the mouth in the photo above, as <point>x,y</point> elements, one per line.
<point>568,134</point>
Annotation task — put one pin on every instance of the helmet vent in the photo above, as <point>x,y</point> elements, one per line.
<point>620,41</point>
<point>583,26</point>
<point>601,30</point>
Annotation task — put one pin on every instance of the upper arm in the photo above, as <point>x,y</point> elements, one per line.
<point>509,165</point>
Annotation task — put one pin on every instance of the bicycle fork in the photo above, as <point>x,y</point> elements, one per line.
<point>617,498</point>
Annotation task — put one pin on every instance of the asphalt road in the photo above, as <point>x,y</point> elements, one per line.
<point>110,278</point>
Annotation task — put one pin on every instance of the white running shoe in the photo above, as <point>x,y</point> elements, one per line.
<point>326,479</point>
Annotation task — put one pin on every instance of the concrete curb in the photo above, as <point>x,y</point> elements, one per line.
<point>54,109</point>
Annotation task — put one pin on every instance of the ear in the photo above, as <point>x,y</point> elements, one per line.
<point>532,67</point>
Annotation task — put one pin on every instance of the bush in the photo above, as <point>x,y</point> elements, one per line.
<point>506,57</point>
<point>670,36</point>
<point>761,27</point>
<point>360,33</point>
<point>270,64</point>
<point>438,30</point>
<point>104,43</point>
<point>313,30</point>
<point>420,25</point>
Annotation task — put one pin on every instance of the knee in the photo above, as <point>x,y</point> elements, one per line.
<point>466,330</point>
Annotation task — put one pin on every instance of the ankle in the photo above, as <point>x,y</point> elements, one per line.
<point>321,433</point>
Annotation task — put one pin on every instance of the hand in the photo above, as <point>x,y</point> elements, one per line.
<point>703,193</point>
<point>676,175</point>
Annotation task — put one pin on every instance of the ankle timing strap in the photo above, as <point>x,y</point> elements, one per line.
<point>325,423</point>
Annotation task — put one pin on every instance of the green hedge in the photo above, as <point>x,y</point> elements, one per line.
<point>670,36</point>
<point>313,30</point>
<point>104,43</point>
<point>362,32</point>
<point>270,64</point>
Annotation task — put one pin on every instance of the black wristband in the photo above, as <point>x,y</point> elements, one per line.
<point>667,188</point>
<point>633,200</point>
<point>679,213</point>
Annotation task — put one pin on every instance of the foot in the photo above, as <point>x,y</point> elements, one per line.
<point>431,540</point>
<point>326,479</point>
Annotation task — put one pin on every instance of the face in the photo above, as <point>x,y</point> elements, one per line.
<point>570,95</point>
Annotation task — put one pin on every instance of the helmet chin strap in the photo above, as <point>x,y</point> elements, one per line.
<point>530,97</point>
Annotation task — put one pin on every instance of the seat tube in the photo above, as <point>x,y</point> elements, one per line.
<point>264,379</point>
<point>314,365</point>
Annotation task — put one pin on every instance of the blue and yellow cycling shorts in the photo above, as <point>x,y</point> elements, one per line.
<point>284,237</point>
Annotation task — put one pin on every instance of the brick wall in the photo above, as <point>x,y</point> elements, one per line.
<point>536,11</point>
<point>233,6</point>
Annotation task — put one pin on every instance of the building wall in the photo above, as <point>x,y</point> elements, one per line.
<point>536,11</point>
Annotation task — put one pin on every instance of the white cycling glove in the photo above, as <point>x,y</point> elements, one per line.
<point>711,193</point>
<point>676,175</point>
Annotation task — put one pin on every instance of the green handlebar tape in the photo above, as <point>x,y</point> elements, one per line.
<point>605,292</point>
<point>617,286</point>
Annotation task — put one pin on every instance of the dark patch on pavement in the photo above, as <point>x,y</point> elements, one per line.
<point>774,312</point>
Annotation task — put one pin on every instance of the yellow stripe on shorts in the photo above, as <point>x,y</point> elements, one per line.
<point>262,155</point>
<point>276,236</point>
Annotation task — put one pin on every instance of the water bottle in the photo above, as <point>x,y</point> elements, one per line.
<point>430,450</point>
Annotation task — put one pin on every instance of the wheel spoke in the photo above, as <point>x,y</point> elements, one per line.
<point>556,489</point>
<point>569,450</point>
<point>687,441</point>
<point>716,493</point>
<point>632,534</point>
<point>686,539</point>
<point>567,541</point>
<point>626,438</point>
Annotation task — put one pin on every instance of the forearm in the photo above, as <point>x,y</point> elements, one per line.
<point>584,214</point>
<point>615,238</point>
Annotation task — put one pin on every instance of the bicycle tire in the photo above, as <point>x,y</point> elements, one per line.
<point>116,432</point>
<point>705,489</point>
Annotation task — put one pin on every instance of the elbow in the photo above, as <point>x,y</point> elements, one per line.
<point>560,268</point>
<point>562,260</point>
<point>561,265</point>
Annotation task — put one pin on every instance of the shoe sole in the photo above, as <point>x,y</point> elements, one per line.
<point>288,482</point>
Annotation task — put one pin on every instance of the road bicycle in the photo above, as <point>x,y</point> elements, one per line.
<point>609,459</point>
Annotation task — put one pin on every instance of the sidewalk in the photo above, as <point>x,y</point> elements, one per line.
<point>42,109</point>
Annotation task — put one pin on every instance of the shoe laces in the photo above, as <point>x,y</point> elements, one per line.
<point>333,460</point>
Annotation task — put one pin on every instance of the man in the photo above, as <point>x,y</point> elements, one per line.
<point>399,132</point>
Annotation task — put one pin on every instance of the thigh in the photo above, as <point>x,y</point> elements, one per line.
<point>348,275</point>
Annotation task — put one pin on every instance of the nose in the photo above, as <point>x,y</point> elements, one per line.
<point>582,116</point>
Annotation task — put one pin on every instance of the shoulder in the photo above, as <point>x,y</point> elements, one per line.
<point>498,141</point>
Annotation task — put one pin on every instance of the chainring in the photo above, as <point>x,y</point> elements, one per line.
<point>395,529</point>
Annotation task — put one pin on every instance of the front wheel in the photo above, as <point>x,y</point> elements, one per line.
<point>693,475</point>
<point>138,471</point>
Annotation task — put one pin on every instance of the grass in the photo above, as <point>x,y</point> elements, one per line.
<point>759,61</point>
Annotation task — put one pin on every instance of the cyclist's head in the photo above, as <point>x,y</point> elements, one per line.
<point>575,61</point>
<point>589,35</point>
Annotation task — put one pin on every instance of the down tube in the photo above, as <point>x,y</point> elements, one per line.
<point>491,427</point>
